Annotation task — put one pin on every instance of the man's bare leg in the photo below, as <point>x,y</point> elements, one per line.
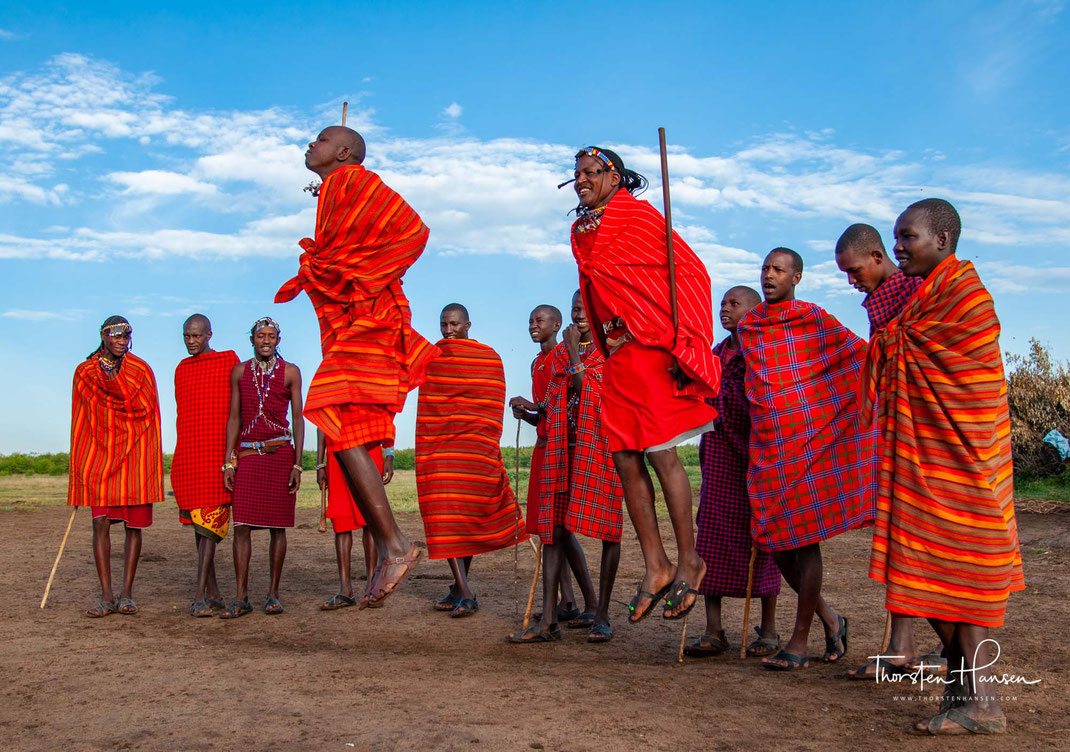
<point>900,643</point>
<point>970,660</point>
<point>690,567</point>
<point>371,556</point>
<point>768,628</point>
<point>639,498</point>
<point>206,579</point>
<point>577,562</point>
<point>553,561</point>
<point>102,556</point>
<point>243,550</point>
<point>132,554</point>
<point>343,551</point>
<point>459,569</point>
<point>277,555</point>
<point>607,576</point>
<point>802,568</point>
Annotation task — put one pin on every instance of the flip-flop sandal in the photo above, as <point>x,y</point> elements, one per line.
<point>675,597</point>
<point>408,562</point>
<point>868,671</point>
<point>935,664</point>
<point>337,601</point>
<point>201,609</point>
<point>272,607</point>
<point>833,653</point>
<point>582,621</point>
<point>125,606</point>
<point>534,634</point>
<point>967,725</point>
<point>707,646</point>
<point>447,603</point>
<point>216,603</point>
<point>795,662</point>
<point>236,609</point>
<point>763,647</point>
<point>655,598</point>
<point>465,607</point>
<point>600,633</point>
<point>102,609</point>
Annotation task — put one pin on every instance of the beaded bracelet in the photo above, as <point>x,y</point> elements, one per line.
<point>388,451</point>
<point>321,466</point>
<point>580,368</point>
<point>298,467</point>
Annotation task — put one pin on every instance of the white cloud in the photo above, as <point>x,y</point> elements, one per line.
<point>453,111</point>
<point>160,183</point>
<point>8,36</point>
<point>24,314</point>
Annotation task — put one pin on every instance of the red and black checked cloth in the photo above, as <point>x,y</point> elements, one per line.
<point>262,495</point>
<point>626,267</point>
<point>812,468</point>
<point>202,398</point>
<point>592,487</point>
<point>885,303</point>
<point>367,237</point>
<point>724,517</point>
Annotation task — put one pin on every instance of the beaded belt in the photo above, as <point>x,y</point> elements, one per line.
<point>249,448</point>
<point>615,326</point>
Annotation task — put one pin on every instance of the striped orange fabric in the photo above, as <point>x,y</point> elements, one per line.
<point>946,540</point>
<point>115,436</point>
<point>626,268</point>
<point>466,503</point>
<point>366,239</point>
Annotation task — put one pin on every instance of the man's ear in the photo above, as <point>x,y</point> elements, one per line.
<point>796,278</point>
<point>943,241</point>
<point>343,154</point>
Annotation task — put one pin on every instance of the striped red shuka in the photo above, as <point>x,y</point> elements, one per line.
<point>115,436</point>
<point>366,239</point>
<point>202,398</point>
<point>466,502</point>
<point>946,540</point>
<point>626,268</point>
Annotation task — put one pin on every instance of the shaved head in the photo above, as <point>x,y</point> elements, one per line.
<point>942,218</point>
<point>349,138</point>
<point>336,146</point>
<point>552,311</point>
<point>198,320</point>
<point>458,308</point>
<point>860,238</point>
<point>748,294</point>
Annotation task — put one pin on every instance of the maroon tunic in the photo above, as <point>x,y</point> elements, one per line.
<point>262,495</point>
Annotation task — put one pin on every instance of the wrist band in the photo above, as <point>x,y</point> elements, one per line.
<point>388,451</point>
<point>298,467</point>
<point>580,368</point>
<point>321,466</point>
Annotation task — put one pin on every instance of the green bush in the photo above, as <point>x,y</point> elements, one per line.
<point>1038,394</point>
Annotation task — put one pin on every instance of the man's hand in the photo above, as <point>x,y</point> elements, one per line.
<point>388,469</point>
<point>228,478</point>
<point>522,407</point>
<point>295,479</point>
<point>571,338</point>
<point>678,375</point>
<point>321,477</point>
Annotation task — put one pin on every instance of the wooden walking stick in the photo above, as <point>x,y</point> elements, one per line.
<point>55,565</point>
<point>323,509</point>
<point>516,532</point>
<point>345,107</point>
<point>671,258</point>
<point>746,605</point>
<point>887,632</point>
<point>534,582</point>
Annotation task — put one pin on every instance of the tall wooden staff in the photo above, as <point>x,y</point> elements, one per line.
<point>746,607</point>
<point>671,254</point>
<point>55,565</point>
<point>323,508</point>
<point>345,107</point>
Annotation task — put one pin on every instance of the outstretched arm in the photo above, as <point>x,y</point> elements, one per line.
<point>233,425</point>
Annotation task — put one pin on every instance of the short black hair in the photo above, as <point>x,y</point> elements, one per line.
<point>198,318</point>
<point>796,259</point>
<point>457,307</point>
<point>942,218</point>
<point>748,292</point>
<point>860,237</point>
<point>554,311</point>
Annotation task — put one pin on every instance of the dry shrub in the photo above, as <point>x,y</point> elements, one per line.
<point>1038,392</point>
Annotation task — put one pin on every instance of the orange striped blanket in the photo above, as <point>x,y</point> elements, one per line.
<point>115,436</point>
<point>946,541</point>
<point>366,239</point>
<point>466,503</point>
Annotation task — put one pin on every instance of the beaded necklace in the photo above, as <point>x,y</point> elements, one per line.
<point>262,377</point>
<point>589,219</point>
<point>106,364</point>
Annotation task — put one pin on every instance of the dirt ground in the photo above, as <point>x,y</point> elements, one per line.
<point>404,677</point>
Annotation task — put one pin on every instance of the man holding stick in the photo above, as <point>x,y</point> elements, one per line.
<point>116,466</point>
<point>366,239</point>
<point>657,375</point>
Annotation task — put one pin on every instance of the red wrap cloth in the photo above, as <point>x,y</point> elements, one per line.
<point>577,469</point>
<point>884,304</point>
<point>812,464</point>
<point>626,268</point>
<point>540,383</point>
<point>342,510</point>
<point>946,539</point>
<point>115,459</point>
<point>466,501</point>
<point>366,239</point>
<point>202,399</point>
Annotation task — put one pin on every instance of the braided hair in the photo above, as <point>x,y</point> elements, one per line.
<point>118,323</point>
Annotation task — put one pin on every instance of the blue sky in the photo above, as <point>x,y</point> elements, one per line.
<point>151,160</point>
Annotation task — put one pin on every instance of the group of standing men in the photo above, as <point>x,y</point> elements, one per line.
<point>807,430</point>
